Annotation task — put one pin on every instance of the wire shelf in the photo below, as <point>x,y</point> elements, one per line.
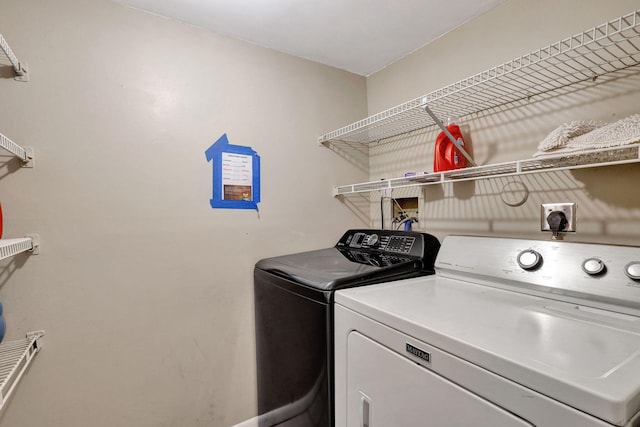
<point>13,247</point>
<point>612,46</point>
<point>23,153</point>
<point>18,67</point>
<point>15,357</point>
<point>594,158</point>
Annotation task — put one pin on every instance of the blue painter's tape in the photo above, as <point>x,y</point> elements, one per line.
<point>232,195</point>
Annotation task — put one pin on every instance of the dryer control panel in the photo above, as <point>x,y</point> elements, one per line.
<point>397,242</point>
<point>605,276</point>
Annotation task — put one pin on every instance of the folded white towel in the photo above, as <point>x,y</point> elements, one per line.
<point>562,134</point>
<point>625,131</point>
<point>622,132</point>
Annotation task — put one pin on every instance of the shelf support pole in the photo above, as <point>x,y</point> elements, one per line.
<point>456,142</point>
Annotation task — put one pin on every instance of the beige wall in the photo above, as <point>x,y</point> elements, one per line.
<point>144,290</point>
<point>607,198</point>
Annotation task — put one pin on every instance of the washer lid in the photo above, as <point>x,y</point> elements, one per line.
<point>333,268</point>
<point>585,357</point>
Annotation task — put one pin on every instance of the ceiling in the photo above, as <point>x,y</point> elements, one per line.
<point>361,36</point>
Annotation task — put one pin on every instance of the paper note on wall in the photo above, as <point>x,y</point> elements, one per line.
<point>236,175</point>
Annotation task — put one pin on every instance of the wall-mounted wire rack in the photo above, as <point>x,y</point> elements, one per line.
<point>25,154</point>
<point>612,46</point>
<point>594,158</point>
<point>18,67</point>
<point>15,358</point>
<point>13,247</point>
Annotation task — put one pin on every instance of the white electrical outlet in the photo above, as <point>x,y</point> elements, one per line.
<point>569,210</point>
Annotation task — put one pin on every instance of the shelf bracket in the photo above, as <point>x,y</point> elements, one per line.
<point>37,336</point>
<point>28,161</point>
<point>456,142</point>
<point>35,244</point>
<point>21,73</point>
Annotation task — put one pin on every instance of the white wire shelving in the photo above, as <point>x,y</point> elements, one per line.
<point>23,153</point>
<point>604,49</point>
<point>612,46</point>
<point>15,358</point>
<point>18,67</point>
<point>594,158</point>
<point>13,247</point>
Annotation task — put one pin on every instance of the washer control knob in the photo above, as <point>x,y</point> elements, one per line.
<point>529,259</point>
<point>373,240</point>
<point>632,270</point>
<point>593,266</point>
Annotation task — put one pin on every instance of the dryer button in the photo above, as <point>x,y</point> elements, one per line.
<point>529,259</point>
<point>593,266</point>
<point>632,270</point>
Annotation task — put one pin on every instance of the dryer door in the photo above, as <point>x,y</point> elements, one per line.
<point>386,389</point>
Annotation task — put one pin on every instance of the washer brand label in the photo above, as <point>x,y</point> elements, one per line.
<point>424,355</point>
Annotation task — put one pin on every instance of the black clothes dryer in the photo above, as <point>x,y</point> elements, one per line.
<point>294,316</point>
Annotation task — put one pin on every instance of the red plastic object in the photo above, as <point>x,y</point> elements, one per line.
<point>0,220</point>
<point>447,156</point>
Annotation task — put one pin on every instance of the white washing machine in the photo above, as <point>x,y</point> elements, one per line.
<point>507,333</point>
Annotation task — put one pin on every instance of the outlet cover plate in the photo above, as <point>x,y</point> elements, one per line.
<point>569,210</point>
